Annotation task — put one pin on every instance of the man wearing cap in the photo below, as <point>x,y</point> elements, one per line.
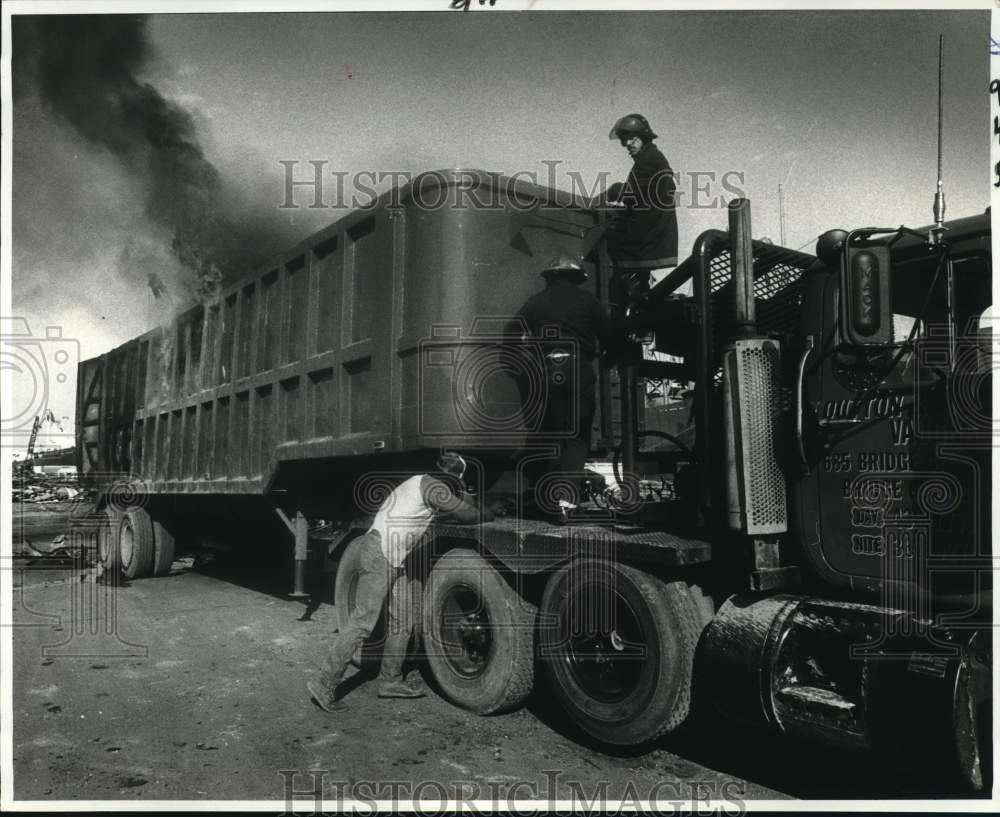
<point>400,526</point>
<point>643,239</point>
<point>571,324</point>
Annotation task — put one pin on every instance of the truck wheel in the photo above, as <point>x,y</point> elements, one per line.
<point>345,593</point>
<point>478,634</point>
<point>108,553</point>
<point>135,543</point>
<point>618,647</point>
<point>163,550</point>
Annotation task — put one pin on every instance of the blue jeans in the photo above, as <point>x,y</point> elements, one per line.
<point>378,582</point>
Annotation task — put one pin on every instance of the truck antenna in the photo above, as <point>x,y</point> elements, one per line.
<point>781,214</point>
<point>934,233</point>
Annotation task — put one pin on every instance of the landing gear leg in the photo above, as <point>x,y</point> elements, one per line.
<point>299,528</point>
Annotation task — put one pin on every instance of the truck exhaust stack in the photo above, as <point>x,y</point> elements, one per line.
<point>755,484</point>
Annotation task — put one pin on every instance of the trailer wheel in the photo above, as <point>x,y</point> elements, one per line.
<point>163,550</point>
<point>618,648</point>
<point>135,543</point>
<point>478,634</point>
<point>108,553</point>
<point>345,593</point>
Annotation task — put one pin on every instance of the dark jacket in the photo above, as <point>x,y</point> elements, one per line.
<point>573,311</point>
<point>572,314</point>
<point>647,230</point>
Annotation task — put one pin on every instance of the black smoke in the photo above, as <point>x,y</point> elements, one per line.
<point>86,72</point>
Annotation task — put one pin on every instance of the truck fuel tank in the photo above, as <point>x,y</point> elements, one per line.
<point>852,675</point>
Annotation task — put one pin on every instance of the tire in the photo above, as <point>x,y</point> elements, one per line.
<point>369,656</point>
<point>626,679</point>
<point>108,552</point>
<point>163,550</point>
<point>478,635</point>
<point>135,543</point>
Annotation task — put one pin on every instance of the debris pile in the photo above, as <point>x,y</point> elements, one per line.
<point>42,488</point>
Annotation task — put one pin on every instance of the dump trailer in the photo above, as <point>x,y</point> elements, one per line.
<point>817,562</point>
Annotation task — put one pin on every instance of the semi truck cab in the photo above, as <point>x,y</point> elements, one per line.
<point>896,418</point>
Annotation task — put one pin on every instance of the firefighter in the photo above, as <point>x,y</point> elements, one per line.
<point>643,238</point>
<point>400,526</point>
<point>570,324</point>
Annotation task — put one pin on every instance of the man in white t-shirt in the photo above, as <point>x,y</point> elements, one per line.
<point>400,526</point>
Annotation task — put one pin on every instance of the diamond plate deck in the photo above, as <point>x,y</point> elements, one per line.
<point>532,546</point>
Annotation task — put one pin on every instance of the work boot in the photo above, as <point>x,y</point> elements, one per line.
<point>398,689</point>
<point>324,698</point>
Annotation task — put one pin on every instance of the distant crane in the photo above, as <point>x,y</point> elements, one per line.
<point>29,455</point>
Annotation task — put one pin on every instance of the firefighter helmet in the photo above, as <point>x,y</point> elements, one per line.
<point>633,123</point>
<point>565,265</point>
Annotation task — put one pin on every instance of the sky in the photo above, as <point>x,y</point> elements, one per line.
<point>837,107</point>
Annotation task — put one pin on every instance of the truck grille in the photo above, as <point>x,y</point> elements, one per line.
<point>753,366</point>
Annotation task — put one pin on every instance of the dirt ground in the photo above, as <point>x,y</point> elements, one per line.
<point>192,687</point>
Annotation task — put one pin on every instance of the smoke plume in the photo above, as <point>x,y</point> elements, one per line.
<point>85,72</point>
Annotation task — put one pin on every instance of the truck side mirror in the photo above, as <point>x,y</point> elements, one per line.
<point>865,296</point>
